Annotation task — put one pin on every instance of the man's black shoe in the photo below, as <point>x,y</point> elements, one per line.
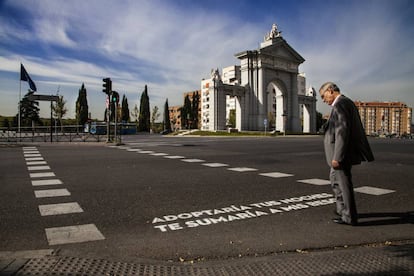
<point>340,221</point>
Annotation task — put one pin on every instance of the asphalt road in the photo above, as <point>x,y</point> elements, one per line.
<point>196,198</point>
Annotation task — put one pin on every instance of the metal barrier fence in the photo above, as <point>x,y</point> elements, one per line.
<point>45,134</point>
<point>94,132</point>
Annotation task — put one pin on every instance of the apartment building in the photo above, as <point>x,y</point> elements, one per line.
<point>385,118</point>
<point>175,117</point>
<point>175,111</point>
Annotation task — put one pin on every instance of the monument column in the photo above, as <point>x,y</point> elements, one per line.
<point>293,114</point>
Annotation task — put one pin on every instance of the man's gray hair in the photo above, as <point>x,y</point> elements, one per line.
<point>329,85</point>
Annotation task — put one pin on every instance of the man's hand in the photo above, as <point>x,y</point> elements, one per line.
<point>335,164</point>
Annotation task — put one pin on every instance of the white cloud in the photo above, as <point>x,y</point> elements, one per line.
<point>171,48</point>
<point>367,54</point>
<point>53,32</point>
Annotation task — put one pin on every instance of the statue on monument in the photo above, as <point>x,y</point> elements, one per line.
<point>215,74</point>
<point>274,32</point>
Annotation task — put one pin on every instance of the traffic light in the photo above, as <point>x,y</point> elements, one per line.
<point>107,86</point>
<point>115,97</point>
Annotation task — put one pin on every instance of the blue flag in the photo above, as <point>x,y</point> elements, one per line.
<point>24,76</point>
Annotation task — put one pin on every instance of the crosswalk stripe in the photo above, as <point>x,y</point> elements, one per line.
<point>51,193</point>
<point>242,169</point>
<point>192,160</point>
<point>73,234</point>
<point>373,190</point>
<point>276,174</point>
<point>133,149</point>
<point>31,152</point>
<point>30,163</point>
<point>215,165</point>
<point>60,209</point>
<point>146,151</point>
<point>32,155</point>
<point>38,168</point>
<point>174,157</point>
<point>29,148</point>
<point>43,174</point>
<point>158,154</point>
<point>45,182</point>
<point>34,159</point>
<point>315,181</point>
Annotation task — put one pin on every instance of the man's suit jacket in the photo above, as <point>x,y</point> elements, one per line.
<point>345,139</point>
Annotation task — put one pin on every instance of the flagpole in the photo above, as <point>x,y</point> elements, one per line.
<point>19,106</point>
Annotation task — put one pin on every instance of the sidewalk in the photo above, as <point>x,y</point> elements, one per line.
<point>391,259</point>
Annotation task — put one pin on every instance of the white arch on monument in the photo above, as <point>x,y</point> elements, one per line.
<point>266,87</point>
<point>277,105</point>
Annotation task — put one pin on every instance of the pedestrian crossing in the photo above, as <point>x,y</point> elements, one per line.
<point>312,181</point>
<point>44,181</point>
<point>46,185</point>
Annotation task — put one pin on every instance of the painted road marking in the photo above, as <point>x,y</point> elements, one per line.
<point>60,209</point>
<point>34,159</point>
<point>373,190</point>
<point>276,174</point>
<point>46,182</point>
<point>159,154</point>
<point>174,157</point>
<point>215,165</point>
<point>38,168</point>
<point>58,235</point>
<point>31,163</point>
<point>46,174</point>
<point>192,160</point>
<point>146,151</point>
<point>51,193</point>
<point>133,149</point>
<point>32,152</point>
<point>315,181</point>
<point>242,169</point>
<point>32,155</point>
<point>73,234</point>
<point>312,181</point>
<point>29,148</point>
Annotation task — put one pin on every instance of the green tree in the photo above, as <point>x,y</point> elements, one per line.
<point>144,112</point>
<point>4,122</point>
<point>135,114</point>
<point>271,120</point>
<point>186,112</point>
<point>194,110</point>
<point>59,109</point>
<point>29,111</point>
<point>82,106</point>
<point>232,118</point>
<point>124,110</point>
<point>166,121</point>
<point>154,117</point>
<point>319,121</point>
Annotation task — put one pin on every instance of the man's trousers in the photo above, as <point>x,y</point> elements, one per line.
<point>341,182</point>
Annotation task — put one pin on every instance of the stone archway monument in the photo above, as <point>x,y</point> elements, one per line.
<point>267,90</point>
<point>271,76</point>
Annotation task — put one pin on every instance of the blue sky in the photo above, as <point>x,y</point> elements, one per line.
<point>367,47</point>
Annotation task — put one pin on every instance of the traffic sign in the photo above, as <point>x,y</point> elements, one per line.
<point>49,98</point>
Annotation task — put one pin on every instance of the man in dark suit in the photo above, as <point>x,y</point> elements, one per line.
<point>345,145</point>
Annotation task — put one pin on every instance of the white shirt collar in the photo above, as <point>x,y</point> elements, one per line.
<point>336,99</point>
